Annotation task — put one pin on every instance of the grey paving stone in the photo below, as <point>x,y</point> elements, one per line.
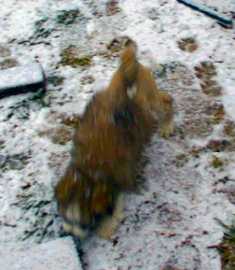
<point>58,254</point>
<point>17,80</point>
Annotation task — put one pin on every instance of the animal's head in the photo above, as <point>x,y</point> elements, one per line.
<point>156,104</point>
<point>141,85</point>
<point>83,202</point>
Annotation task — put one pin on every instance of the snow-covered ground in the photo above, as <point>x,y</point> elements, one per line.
<point>189,179</point>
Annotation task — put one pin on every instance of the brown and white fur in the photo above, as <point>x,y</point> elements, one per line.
<point>108,143</point>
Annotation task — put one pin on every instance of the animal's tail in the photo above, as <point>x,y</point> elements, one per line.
<point>129,63</point>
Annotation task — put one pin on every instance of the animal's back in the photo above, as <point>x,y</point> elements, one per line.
<point>113,129</point>
<point>108,141</point>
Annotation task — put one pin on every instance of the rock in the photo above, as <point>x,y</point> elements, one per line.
<point>58,254</point>
<point>17,80</point>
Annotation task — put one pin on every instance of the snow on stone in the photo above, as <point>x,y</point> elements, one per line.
<point>58,254</point>
<point>21,76</point>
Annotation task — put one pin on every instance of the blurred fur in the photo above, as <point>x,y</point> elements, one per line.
<point>116,125</point>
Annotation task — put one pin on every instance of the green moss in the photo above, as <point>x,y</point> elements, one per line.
<point>219,115</point>
<point>229,128</point>
<point>42,30</point>
<point>40,23</point>
<point>55,80</point>
<point>83,61</point>
<point>180,160</point>
<point>8,63</point>
<point>217,162</point>
<point>227,248</point>
<point>69,57</point>
<point>67,16</point>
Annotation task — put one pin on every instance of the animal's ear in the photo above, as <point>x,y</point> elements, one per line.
<point>128,42</point>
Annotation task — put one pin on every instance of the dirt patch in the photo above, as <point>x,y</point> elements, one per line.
<point>8,63</point>
<point>229,129</point>
<point>206,72</point>
<point>217,163</point>
<point>70,57</point>
<point>55,80</point>
<point>60,135</point>
<point>4,51</point>
<point>88,79</point>
<point>188,44</point>
<point>112,7</point>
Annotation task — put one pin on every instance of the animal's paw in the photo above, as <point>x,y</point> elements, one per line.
<point>167,130</point>
<point>110,225</point>
<point>108,228</point>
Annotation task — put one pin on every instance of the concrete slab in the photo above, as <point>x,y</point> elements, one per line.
<point>58,254</point>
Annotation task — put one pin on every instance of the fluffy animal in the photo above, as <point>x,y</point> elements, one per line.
<point>108,143</point>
